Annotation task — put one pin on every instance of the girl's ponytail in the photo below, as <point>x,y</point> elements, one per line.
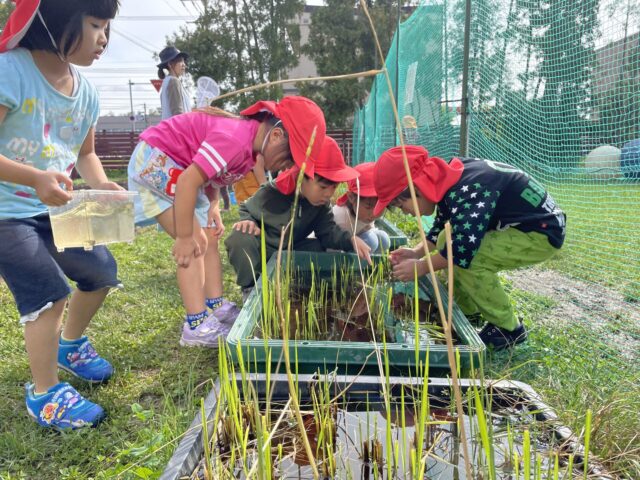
<point>161,73</point>
<point>218,112</point>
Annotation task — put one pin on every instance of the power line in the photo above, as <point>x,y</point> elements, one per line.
<point>156,18</point>
<point>186,6</point>
<point>196,5</point>
<point>139,39</point>
<point>140,70</point>
<point>132,40</point>
<point>172,7</point>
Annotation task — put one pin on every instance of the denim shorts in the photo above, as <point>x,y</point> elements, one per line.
<point>36,273</point>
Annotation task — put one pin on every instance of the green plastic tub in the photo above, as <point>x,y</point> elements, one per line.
<point>345,356</point>
<point>396,236</point>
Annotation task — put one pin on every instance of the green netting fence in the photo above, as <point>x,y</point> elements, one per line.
<point>553,89</point>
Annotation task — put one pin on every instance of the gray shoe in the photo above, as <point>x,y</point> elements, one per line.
<point>245,293</point>
<point>227,312</point>
<point>206,334</point>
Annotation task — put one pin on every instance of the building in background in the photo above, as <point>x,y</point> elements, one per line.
<point>122,123</point>
<point>306,67</point>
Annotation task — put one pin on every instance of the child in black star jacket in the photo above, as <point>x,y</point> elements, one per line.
<point>501,219</point>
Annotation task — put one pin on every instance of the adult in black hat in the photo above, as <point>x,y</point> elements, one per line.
<point>174,99</point>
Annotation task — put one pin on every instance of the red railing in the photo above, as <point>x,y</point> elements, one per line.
<point>115,148</point>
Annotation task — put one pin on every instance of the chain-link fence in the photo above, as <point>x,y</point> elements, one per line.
<point>553,89</point>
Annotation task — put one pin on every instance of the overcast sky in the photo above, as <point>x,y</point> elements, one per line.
<point>139,30</point>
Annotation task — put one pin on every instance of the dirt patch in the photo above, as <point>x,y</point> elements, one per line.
<point>614,320</point>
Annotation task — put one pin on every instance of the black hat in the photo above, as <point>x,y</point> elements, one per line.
<point>168,54</point>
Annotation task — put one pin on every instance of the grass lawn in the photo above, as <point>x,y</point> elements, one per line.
<point>152,397</point>
<point>157,386</point>
<point>602,244</point>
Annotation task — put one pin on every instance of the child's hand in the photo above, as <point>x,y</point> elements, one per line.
<point>184,249</point>
<point>405,270</point>
<point>247,226</point>
<point>108,186</point>
<point>362,249</point>
<point>47,187</point>
<point>214,221</point>
<point>402,254</point>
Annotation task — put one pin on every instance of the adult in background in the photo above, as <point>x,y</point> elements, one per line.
<point>174,99</point>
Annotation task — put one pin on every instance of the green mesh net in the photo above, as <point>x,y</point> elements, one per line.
<point>554,89</point>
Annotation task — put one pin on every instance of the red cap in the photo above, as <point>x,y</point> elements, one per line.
<point>18,24</point>
<point>363,186</point>
<point>330,165</point>
<point>431,175</point>
<point>299,117</point>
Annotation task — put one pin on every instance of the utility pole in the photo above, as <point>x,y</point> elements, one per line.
<point>132,117</point>
<point>464,106</point>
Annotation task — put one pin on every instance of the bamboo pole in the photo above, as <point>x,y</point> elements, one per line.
<point>425,245</point>
<point>348,76</point>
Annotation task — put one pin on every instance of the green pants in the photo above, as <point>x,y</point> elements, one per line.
<point>244,254</point>
<point>477,289</point>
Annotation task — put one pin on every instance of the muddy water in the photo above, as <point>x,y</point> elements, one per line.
<point>348,318</point>
<point>362,433</point>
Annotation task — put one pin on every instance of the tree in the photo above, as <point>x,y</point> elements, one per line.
<point>341,42</point>
<point>561,35</point>
<point>6,7</point>
<point>617,100</point>
<point>242,43</point>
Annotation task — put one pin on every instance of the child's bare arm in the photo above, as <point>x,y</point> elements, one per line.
<point>90,168</point>
<point>185,200</point>
<point>258,170</point>
<point>212,193</point>
<point>405,270</point>
<point>186,246</point>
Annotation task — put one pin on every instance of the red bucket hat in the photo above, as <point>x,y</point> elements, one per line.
<point>431,175</point>
<point>363,186</point>
<point>330,165</point>
<point>18,24</point>
<point>299,117</point>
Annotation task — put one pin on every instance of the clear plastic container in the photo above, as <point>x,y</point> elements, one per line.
<point>93,217</point>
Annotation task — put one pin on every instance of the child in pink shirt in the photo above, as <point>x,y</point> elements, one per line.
<point>179,166</point>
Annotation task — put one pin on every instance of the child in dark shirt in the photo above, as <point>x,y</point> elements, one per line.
<point>500,217</point>
<point>272,205</point>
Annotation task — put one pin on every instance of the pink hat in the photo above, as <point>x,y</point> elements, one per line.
<point>18,24</point>
<point>299,116</point>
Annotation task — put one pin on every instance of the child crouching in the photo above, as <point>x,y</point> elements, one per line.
<point>500,217</point>
<point>272,205</point>
<point>353,211</point>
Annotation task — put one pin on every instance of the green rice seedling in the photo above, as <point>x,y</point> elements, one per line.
<point>526,452</point>
<point>587,438</point>
<point>205,434</point>
<point>391,449</point>
<point>487,443</point>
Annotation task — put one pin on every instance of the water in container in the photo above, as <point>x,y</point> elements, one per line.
<point>93,217</point>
